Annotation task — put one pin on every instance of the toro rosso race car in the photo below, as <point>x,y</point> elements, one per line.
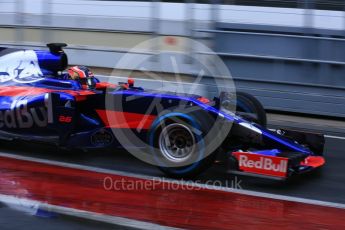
<point>181,133</point>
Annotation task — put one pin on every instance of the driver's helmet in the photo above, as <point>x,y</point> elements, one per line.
<point>83,75</point>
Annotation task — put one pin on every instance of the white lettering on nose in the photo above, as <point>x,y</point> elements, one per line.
<point>276,167</point>
<point>263,163</point>
<point>243,160</point>
<point>268,164</point>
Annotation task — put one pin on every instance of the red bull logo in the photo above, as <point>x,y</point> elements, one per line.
<point>265,165</point>
<point>20,116</point>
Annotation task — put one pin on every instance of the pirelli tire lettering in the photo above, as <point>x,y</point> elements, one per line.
<point>20,116</point>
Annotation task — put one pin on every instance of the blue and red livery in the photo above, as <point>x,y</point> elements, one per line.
<point>185,133</point>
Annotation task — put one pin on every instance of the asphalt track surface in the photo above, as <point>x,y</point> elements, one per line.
<point>13,219</point>
<point>325,185</point>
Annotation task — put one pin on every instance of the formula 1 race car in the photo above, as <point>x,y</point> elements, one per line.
<point>181,133</point>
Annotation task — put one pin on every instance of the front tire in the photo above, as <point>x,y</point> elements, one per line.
<point>179,147</point>
<point>250,108</point>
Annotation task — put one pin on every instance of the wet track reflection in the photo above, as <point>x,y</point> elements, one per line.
<point>155,201</point>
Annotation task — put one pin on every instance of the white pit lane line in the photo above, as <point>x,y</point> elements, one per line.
<point>21,203</point>
<point>184,183</point>
<point>335,137</point>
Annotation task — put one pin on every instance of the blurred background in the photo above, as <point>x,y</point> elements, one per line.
<point>288,53</point>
